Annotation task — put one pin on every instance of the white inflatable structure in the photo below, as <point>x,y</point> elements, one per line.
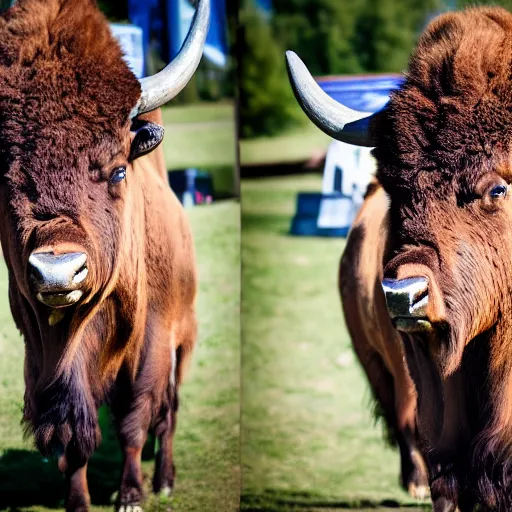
<point>347,173</point>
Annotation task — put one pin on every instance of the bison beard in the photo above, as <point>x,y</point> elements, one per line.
<point>66,101</point>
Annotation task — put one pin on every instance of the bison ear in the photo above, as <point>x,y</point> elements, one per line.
<point>146,136</point>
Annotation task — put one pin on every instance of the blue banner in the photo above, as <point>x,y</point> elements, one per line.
<point>180,14</point>
<point>170,21</point>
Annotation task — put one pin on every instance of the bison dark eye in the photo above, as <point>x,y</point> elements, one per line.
<point>498,191</point>
<point>118,175</point>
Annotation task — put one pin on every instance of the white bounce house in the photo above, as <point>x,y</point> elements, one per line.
<point>348,171</point>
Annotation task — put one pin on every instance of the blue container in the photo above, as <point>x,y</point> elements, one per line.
<point>305,221</point>
<point>364,93</point>
<point>192,186</point>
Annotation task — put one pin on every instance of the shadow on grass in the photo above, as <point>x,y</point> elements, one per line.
<point>27,479</point>
<point>272,500</point>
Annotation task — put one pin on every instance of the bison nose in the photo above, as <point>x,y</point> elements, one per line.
<point>57,278</point>
<point>407,301</point>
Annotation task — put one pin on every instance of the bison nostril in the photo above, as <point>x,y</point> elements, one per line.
<point>54,273</point>
<point>406,297</point>
<point>81,274</point>
<point>419,299</point>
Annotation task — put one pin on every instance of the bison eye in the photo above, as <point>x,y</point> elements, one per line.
<point>118,175</point>
<point>498,191</point>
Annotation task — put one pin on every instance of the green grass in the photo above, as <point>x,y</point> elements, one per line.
<point>308,437</point>
<point>199,113</point>
<point>200,136</point>
<point>207,441</point>
<point>293,146</point>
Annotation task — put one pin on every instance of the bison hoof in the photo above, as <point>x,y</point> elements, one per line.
<point>444,505</point>
<point>130,508</point>
<point>129,501</point>
<point>419,492</point>
<point>165,491</point>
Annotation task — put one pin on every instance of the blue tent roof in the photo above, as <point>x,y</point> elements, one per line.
<point>364,93</point>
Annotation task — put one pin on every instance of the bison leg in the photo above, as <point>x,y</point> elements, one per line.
<point>165,423</point>
<point>165,426</point>
<point>77,492</point>
<point>445,496</point>
<point>133,431</point>
<point>165,471</point>
<point>131,492</point>
<point>414,474</point>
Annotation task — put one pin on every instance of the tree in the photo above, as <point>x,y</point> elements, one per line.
<point>115,10</point>
<point>267,104</point>
<point>335,37</point>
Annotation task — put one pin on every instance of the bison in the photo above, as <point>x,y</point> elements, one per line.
<point>426,276</point>
<point>102,277</point>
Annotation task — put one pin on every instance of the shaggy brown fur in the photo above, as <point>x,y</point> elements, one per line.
<point>65,99</point>
<point>376,342</point>
<point>444,143</point>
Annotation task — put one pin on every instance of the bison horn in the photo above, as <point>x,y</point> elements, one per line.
<point>333,118</point>
<point>165,85</point>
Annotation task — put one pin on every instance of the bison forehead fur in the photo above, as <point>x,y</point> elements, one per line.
<point>61,70</point>
<point>455,108</point>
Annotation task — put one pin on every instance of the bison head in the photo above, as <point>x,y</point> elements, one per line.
<point>70,133</point>
<point>445,159</point>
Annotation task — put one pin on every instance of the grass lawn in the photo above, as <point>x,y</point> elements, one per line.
<point>200,135</point>
<point>207,441</point>
<point>293,146</point>
<point>308,438</point>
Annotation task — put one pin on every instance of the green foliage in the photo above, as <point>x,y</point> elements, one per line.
<point>267,104</point>
<point>332,37</point>
<point>115,10</point>
<point>386,32</point>
<point>336,37</point>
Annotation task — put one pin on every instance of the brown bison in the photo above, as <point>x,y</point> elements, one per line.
<point>426,278</point>
<point>102,276</point>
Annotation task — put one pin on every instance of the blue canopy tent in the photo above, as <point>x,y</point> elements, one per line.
<point>169,21</point>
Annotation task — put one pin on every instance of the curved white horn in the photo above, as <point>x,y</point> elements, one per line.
<point>340,122</point>
<point>165,85</point>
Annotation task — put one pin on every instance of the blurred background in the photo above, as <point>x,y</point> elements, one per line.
<point>309,441</point>
<point>200,153</point>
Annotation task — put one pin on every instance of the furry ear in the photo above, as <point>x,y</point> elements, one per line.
<point>146,136</point>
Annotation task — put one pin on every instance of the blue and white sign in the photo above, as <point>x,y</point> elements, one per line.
<point>130,39</point>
